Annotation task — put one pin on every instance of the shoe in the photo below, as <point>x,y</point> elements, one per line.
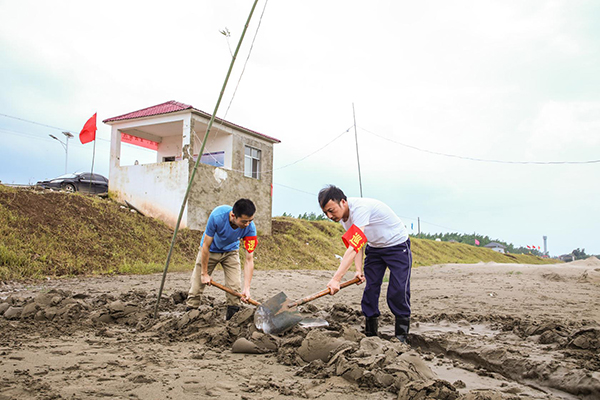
<point>231,310</point>
<point>371,326</point>
<point>402,327</point>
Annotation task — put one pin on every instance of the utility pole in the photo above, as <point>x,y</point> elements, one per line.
<point>65,145</point>
<point>357,158</point>
<point>419,224</point>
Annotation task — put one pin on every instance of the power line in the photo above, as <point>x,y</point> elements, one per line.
<point>44,125</point>
<point>314,152</point>
<point>33,122</point>
<point>291,188</point>
<point>77,145</point>
<point>480,159</point>
<point>301,159</point>
<point>239,79</point>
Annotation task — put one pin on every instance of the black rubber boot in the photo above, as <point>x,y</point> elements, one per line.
<point>230,311</point>
<point>402,327</point>
<point>371,326</point>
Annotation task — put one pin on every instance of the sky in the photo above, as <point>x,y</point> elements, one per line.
<point>435,87</point>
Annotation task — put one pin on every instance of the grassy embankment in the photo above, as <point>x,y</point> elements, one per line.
<point>54,234</point>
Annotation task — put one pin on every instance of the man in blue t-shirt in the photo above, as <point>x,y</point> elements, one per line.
<point>220,244</point>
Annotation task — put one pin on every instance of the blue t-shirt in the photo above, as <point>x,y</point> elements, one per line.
<point>225,238</point>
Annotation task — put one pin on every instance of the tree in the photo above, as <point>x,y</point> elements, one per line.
<point>579,254</point>
<point>307,216</point>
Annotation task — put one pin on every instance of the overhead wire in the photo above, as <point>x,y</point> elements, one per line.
<point>77,145</point>
<point>478,159</point>
<point>237,84</point>
<point>44,125</point>
<point>32,122</point>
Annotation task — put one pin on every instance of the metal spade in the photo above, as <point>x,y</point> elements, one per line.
<point>277,314</point>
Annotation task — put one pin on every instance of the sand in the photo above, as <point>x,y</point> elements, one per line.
<point>483,331</point>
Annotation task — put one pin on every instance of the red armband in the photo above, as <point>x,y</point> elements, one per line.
<point>354,237</point>
<point>250,243</point>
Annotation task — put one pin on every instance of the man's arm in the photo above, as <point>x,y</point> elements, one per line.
<point>248,271</point>
<point>205,251</point>
<point>349,256</point>
<point>358,262</point>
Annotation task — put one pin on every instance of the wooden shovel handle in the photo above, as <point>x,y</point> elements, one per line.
<point>322,293</point>
<point>233,292</point>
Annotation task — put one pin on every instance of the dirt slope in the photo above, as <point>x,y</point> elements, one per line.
<point>46,233</point>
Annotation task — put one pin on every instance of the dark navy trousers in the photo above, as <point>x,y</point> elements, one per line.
<point>399,260</point>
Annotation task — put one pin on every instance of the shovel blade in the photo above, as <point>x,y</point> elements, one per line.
<point>274,316</point>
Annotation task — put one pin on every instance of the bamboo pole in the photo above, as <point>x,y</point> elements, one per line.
<point>357,157</point>
<point>187,192</point>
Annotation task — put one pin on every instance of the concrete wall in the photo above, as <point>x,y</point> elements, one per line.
<point>220,138</point>
<point>155,189</point>
<point>213,187</point>
<point>220,142</point>
<point>169,147</point>
<point>158,189</point>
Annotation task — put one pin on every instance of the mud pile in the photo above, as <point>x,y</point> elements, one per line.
<point>517,349</point>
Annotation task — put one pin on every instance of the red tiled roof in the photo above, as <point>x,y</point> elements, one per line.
<point>164,108</point>
<point>175,106</point>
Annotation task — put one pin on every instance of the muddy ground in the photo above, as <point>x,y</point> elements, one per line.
<point>484,331</point>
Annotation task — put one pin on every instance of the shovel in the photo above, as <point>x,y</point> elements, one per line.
<point>233,292</point>
<point>277,314</point>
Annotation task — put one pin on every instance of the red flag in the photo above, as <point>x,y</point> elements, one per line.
<point>476,242</point>
<point>528,247</point>
<point>88,133</point>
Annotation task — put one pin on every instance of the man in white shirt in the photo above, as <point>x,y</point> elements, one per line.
<point>374,229</point>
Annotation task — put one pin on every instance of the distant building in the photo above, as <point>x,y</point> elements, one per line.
<point>236,162</point>
<point>567,257</point>
<point>500,248</point>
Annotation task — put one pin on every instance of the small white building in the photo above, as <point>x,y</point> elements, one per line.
<point>500,248</point>
<point>237,162</point>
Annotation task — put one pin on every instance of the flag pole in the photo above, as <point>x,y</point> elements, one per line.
<point>210,123</point>
<point>88,134</point>
<point>93,158</point>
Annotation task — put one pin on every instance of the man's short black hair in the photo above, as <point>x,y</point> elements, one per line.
<point>244,207</point>
<point>331,192</point>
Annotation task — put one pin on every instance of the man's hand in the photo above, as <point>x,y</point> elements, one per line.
<point>205,279</point>
<point>245,295</point>
<point>334,286</point>
<point>360,275</point>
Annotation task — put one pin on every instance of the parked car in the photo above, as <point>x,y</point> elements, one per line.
<point>84,182</point>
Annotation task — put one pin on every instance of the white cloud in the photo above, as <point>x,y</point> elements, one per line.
<point>571,127</point>
<point>507,80</point>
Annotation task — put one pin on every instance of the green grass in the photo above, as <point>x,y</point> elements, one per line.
<point>430,252</point>
<point>52,234</point>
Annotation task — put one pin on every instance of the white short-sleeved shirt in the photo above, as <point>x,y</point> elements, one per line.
<point>383,228</point>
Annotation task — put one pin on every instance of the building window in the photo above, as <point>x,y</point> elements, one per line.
<point>251,162</point>
<point>216,159</point>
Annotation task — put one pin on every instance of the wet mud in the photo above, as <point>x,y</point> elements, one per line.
<point>96,337</point>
